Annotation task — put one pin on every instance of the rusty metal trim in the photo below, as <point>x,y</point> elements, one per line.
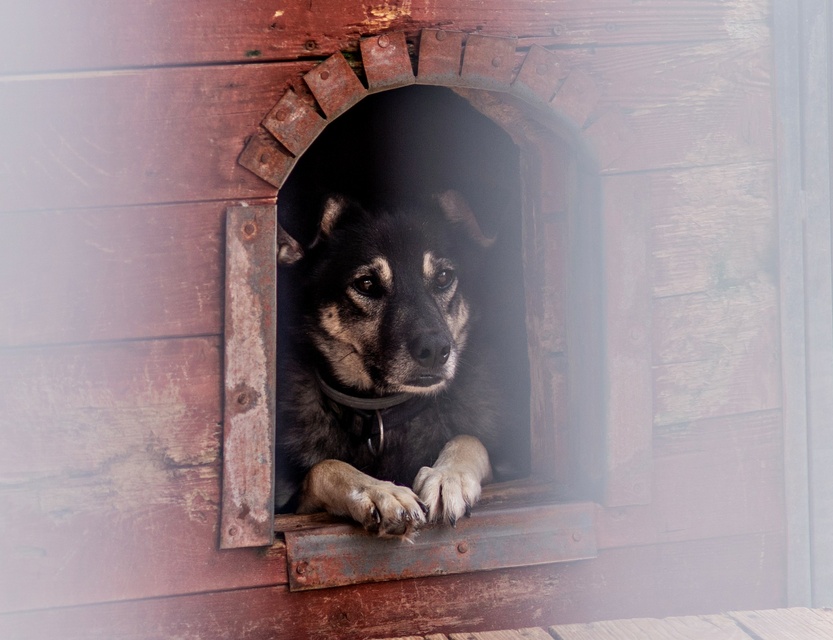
<point>610,137</point>
<point>540,75</point>
<point>294,123</point>
<point>440,57</point>
<point>266,158</point>
<point>335,86</point>
<point>344,554</point>
<point>247,512</point>
<point>488,62</point>
<point>387,63</point>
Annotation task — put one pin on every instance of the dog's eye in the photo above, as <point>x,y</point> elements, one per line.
<point>444,279</point>
<point>368,286</point>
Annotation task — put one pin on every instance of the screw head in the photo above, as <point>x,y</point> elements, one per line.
<point>324,75</point>
<point>383,41</point>
<point>497,61</point>
<point>250,229</point>
<point>463,547</point>
<point>441,35</point>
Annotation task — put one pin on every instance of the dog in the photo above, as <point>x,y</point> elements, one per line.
<point>387,410</point>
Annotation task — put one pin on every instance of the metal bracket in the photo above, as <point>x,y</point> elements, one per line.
<point>294,123</point>
<point>249,410</point>
<point>335,86</point>
<point>540,75</point>
<point>339,555</point>
<point>387,63</point>
<point>488,62</point>
<point>267,159</point>
<point>440,57</point>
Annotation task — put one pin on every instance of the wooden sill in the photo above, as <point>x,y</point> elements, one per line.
<point>516,524</point>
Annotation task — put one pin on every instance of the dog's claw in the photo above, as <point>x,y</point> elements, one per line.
<point>452,520</point>
<point>377,517</point>
<point>424,507</point>
<point>468,510</point>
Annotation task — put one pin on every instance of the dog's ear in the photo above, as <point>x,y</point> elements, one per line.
<point>334,206</point>
<point>289,250</point>
<point>457,211</point>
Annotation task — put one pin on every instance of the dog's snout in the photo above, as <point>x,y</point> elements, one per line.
<point>430,350</point>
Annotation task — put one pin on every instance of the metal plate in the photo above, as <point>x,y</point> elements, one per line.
<point>540,75</point>
<point>294,122</point>
<point>249,410</point>
<point>335,86</point>
<point>488,62</point>
<point>491,539</point>
<point>440,57</point>
<point>266,158</point>
<point>577,98</point>
<point>387,63</point>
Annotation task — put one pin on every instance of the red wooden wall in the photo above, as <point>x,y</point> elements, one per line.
<point>121,126</point>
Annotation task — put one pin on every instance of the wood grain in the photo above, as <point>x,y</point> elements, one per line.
<point>135,137</point>
<point>111,274</point>
<point>649,581</point>
<point>83,34</point>
<point>109,475</point>
<point>681,628</point>
<point>787,624</point>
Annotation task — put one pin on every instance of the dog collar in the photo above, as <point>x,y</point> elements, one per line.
<point>392,407</point>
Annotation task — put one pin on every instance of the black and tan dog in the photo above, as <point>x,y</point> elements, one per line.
<point>387,388</point>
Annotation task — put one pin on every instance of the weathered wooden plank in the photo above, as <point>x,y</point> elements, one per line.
<point>135,137</point>
<point>530,633</point>
<point>110,475</point>
<point>816,37</point>
<point>787,624</point>
<point>789,127</point>
<point>712,228</point>
<point>681,628</point>
<point>727,322</point>
<point>83,34</point>
<point>627,329</point>
<point>648,581</point>
<point>738,465</point>
<point>111,274</point>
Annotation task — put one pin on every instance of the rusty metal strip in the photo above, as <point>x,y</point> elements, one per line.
<point>249,411</point>
<point>488,62</point>
<point>335,86</point>
<point>491,539</point>
<point>540,75</point>
<point>266,158</point>
<point>387,63</point>
<point>440,57</point>
<point>576,98</point>
<point>294,122</point>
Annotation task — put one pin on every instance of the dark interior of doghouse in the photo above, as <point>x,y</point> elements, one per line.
<point>422,140</point>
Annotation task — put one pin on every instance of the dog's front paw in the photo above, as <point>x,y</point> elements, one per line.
<point>387,509</point>
<point>448,493</point>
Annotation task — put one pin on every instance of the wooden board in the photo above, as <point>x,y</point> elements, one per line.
<point>72,34</point>
<point>682,628</point>
<point>109,476</point>
<point>111,274</point>
<point>135,137</point>
<point>787,624</point>
<point>740,573</point>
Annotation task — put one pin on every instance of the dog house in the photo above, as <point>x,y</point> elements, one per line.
<point>658,173</point>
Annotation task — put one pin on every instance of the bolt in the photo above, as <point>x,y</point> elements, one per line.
<point>301,567</point>
<point>324,75</point>
<point>281,115</point>
<point>558,30</point>
<point>264,158</point>
<point>542,69</point>
<point>497,61</point>
<point>249,231</point>
<point>233,531</point>
<point>441,35</point>
<point>243,399</point>
<point>310,45</point>
<point>463,547</point>
<point>383,41</point>
<point>577,536</point>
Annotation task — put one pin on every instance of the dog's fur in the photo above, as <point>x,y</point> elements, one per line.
<point>385,309</point>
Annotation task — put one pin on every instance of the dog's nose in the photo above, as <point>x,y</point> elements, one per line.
<point>430,350</point>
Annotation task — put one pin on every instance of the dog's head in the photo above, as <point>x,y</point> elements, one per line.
<point>385,293</point>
